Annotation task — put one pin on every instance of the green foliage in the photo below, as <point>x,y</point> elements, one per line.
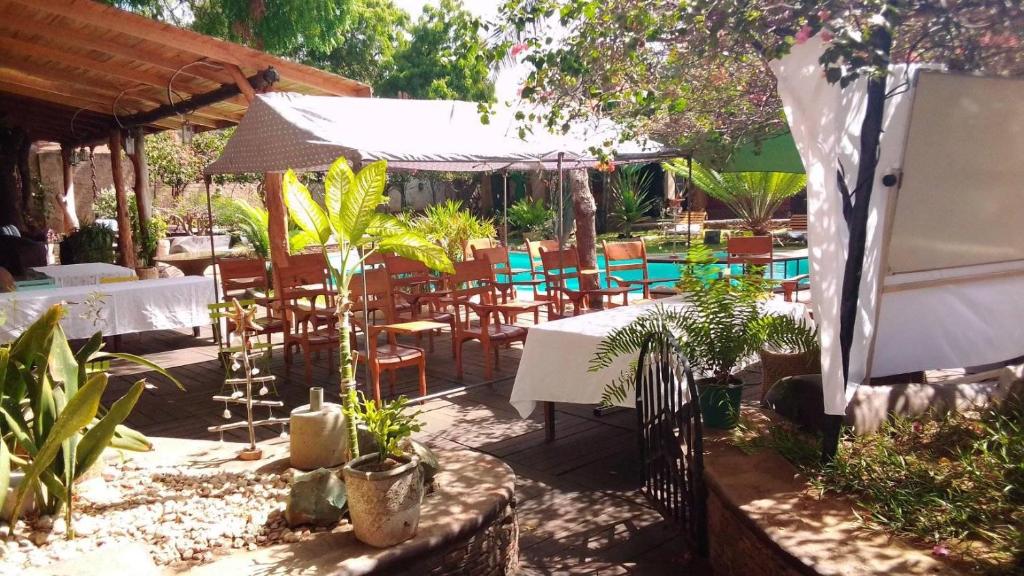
<point>349,215</point>
<point>189,213</point>
<point>375,31</point>
<point>753,196</point>
<point>956,482</point>
<point>632,199</point>
<point>177,164</point>
<point>388,425</point>
<point>722,325</point>
<point>695,73</point>
<point>252,223</point>
<point>444,59</point>
<point>287,28</point>
<point>156,229</point>
<point>531,215</point>
<point>451,226</point>
<point>52,425</point>
<point>90,243</point>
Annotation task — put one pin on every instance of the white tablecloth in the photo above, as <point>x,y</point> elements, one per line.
<point>89,274</point>
<point>555,361</point>
<point>120,308</point>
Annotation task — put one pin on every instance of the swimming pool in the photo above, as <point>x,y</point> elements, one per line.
<point>783,269</point>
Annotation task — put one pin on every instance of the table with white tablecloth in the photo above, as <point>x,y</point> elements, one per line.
<point>88,274</point>
<point>556,358</point>
<point>118,308</point>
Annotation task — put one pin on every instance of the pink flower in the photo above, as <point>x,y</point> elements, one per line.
<point>918,427</point>
<point>826,36</point>
<point>940,551</point>
<point>518,49</point>
<point>803,35</point>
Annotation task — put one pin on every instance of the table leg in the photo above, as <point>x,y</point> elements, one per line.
<point>549,421</point>
<point>195,331</point>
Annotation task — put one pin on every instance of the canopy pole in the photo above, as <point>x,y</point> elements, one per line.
<point>504,205</point>
<point>561,203</point>
<point>686,196</point>
<point>207,180</point>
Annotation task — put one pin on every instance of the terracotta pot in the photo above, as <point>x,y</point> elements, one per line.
<point>148,273</point>
<point>384,506</point>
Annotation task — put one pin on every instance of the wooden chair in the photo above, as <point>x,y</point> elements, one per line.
<point>683,221</point>
<point>501,266</point>
<point>533,248</point>
<point>415,294</point>
<point>472,280</point>
<point>371,291</point>
<point>749,251</point>
<point>563,265</point>
<point>246,278</point>
<point>632,255</point>
<point>474,244</point>
<point>310,313</point>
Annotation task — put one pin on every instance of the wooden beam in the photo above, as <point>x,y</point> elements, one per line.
<point>66,200</point>
<point>198,101</point>
<point>187,41</point>
<point>242,82</point>
<point>124,225</point>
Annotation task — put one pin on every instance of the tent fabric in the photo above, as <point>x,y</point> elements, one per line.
<point>775,154</point>
<point>929,326</point>
<point>307,133</point>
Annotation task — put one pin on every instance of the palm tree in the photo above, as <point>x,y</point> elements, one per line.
<point>632,199</point>
<point>753,196</point>
<point>350,216</point>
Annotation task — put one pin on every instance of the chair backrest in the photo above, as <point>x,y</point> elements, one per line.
<point>406,272</point>
<point>798,222</point>
<point>118,279</point>
<point>371,291</point>
<point>241,273</point>
<point>497,256</point>
<point>472,278</point>
<point>475,243</point>
<point>533,248</point>
<point>630,255</point>
<point>560,265</point>
<point>749,250</point>
<point>691,218</point>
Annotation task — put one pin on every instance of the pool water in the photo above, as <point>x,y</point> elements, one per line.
<point>667,270</point>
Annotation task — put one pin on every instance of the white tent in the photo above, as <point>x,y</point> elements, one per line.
<point>942,283</point>
<point>307,133</point>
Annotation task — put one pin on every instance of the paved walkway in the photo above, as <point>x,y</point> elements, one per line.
<point>578,505</point>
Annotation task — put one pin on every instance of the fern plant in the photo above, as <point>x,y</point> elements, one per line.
<point>753,196</point>
<point>722,325</point>
<point>631,191</point>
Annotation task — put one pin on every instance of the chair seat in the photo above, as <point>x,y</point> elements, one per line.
<point>650,281</point>
<point>322,336</point>
<point>498,332</point>
<point>394,354</point>
<point>270,324</point>
<point>609,291</point>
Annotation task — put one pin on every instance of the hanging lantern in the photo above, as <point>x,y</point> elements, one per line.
<point>187,132</point>
<point>129,144</point>
<point>83,155</point>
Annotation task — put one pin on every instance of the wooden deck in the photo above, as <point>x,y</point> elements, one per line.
<point>578,505</point>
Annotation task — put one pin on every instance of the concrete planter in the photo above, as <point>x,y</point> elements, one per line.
<point>385,506</point>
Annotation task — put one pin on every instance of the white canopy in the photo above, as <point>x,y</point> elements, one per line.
<point>966,306</point>
<point>307,133</point>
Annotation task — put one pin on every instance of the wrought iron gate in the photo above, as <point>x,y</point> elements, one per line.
<point>671,440</point>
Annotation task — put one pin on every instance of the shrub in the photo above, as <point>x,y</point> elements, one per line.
<point>529,215</point>
<point>90,243</point>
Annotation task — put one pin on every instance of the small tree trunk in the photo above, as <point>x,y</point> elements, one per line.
<point>538,189</point>
<point>585,210</point>
<point>66,200</point>
<point>347,370</point>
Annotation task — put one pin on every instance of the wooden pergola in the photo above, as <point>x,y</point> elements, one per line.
<point>78,72</point>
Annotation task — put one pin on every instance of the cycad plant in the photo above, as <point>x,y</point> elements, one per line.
<point>350,216</point>
<point>753,196</point>
<point>632,199</point>
<point>451,226</point>
<point>722,324</point>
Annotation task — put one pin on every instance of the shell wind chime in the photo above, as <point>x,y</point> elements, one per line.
<point>243,351</point>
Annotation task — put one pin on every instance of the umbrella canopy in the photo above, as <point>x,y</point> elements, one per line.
<point>775,154</point>
<point>307,133</point>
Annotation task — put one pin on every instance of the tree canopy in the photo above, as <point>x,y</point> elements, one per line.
<point>695,73</point>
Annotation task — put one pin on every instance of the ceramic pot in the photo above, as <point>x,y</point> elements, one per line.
<point>385,505</point>
<point>720,403</point>
<point>148,273</point>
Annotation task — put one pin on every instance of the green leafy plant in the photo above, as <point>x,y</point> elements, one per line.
<point>531,215</point>
<point>388,424</point>
<point>451,226</point>
<point>52,425</point>
<point>723,324</point>
<point>90,243</point>
<point>753,196</point>
<point>632,199</point>
<point>156,230</point>
<point>350,216</point>
<point>253,224</point>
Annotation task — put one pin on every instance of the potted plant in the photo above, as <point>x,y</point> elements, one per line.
<point>723,325</point>
<point>156,229</point>
<point>532,218</point>
<point>350,217</point>
<point>384,488</point>
<point>90,243</point>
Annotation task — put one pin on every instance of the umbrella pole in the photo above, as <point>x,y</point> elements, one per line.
<point>207,180</point>
<point>504,206</point>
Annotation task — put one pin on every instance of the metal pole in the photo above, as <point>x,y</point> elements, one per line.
<point>686,196</point>
<point>561,203</point>
<point>504,206</point>
<point>207,180</point>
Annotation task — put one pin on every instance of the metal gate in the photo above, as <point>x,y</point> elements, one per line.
<point>671,440</point>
